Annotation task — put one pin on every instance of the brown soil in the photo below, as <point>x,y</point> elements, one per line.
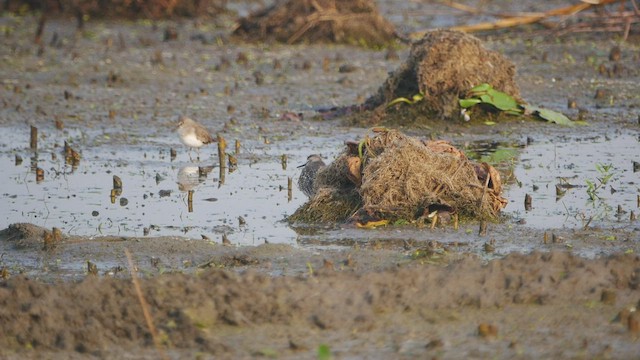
<point>360,301</point>
<point>433,310</point>
<point>341,21</point>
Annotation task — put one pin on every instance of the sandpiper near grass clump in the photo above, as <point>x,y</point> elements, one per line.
<point>308,174</point>
<point>193,134</point>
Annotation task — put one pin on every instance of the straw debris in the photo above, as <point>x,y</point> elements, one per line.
<point>402,177</point>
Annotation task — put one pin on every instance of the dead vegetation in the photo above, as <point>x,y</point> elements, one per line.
<point>441,67</point>
<point>341,21</point>
<point>393,176</point>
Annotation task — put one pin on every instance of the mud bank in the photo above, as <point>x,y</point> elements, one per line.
<point>418,309</point>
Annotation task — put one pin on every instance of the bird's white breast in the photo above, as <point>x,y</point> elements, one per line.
<point>190,139</point>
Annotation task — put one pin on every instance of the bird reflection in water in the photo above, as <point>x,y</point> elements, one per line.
<point>189,178</point>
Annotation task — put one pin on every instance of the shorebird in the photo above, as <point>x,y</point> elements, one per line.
<point>308,174</point>
<point>193,134</point>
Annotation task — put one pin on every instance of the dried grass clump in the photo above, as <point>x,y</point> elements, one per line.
<point>326,21</point>
<point>411,176</point>
<point>393,176</point>
<point>443,66</point>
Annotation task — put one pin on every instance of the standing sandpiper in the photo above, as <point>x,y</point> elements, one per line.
<point>193,134</point>
<point>308,174</point>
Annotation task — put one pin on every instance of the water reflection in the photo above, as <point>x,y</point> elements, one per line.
<point>189,178</point>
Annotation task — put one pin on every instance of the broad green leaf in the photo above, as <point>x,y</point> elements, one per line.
<point>467,103</point>
<point>500,100</point>
<point>549,115</point>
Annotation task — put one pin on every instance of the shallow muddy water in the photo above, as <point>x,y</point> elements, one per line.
<point>155,190</point>
<point>251,205</point>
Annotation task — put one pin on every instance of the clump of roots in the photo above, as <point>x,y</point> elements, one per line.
<point>442,67</point>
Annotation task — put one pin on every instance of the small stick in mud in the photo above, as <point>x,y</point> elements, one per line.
<point>117,182</point>
<point>92,268</point>
<point>283,161</point>
<point>172,154</point>
<point>144,305</point>
<point>39,175</point>
<point>114,195</point>
<point>34,138</point>
<point>483,228</point>
<point>455,222</point>
<point>289,189</point>
<point>233,163</point>
<point>190,200</point>
<point>225,240</point>
<point>222,146</point>
<point>527,202</point>
<point>237,146</point>
<point>18,160</point>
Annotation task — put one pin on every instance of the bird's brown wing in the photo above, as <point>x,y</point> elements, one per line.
<point>203,134</point>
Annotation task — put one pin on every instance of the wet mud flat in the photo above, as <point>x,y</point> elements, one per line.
<point>300,291</point>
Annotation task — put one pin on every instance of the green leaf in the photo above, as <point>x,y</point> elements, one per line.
<point>499,156</point>
<point>549,115</point>
<point>467,103</point>
<point>500,100</point>
<point>399,100</point>
<point>324,352</point>
<point>480,88</point>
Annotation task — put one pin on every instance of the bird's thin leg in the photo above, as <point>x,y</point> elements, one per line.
<point>190,158</point>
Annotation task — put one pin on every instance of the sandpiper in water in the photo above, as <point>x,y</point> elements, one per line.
<point>193,134</point>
